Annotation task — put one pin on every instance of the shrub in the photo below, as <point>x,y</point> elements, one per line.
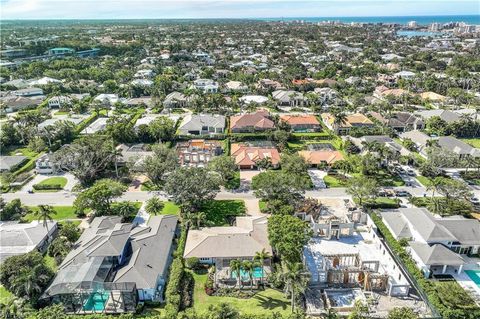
<point>192,262</point>
<point>38,187</point>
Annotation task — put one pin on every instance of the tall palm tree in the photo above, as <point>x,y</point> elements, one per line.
<point>154,206</point>
<point>434,185</point>
<point>236,267</point>
<point>44,214</point>
<point>248,266</point>
<point>295,279</point>
<point>260,256</point>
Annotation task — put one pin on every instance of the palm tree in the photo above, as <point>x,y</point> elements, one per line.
<point>44,214</point>
<point>28,282</point>
<point>236,267</point>
<point>260,256</point>
<point>198,218</point>
<point>248,266</point>
<point>434,185</point>
<point>154,206</point>
<point>295,279</point>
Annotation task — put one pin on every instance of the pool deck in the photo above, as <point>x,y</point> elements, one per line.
<point>465,281</point>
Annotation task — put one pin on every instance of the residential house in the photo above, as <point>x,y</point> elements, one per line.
<point>218,246</point>
<point>197,153</point>
<point>134,154</point>
<point>107,99</point>
<point>112,267</point>
<point>235,86</point>
<point>433,97</point>
<point>13,103</point>
<point>302,123</point>
<point>435,243</point>
<point>144,101</point>
<point>383,140</point>
<point>288,98</point>
<point>206,85</point>
<point>175,100</point>
<point>251,122</point>
<point>407,75</point>
<point>44,165</point>
<point>28,92</point>
<point>200,124</point>
<point>400,121</point>
<point>419,138</point>
<point>59,101</point>
<point>446,115</point>
<point>11,163</point>
<point>326,95</point>
<point>268,85</point>
<point>21,238</point>
<point>319,158</point>
<point>458,147</point>
<point>247,155</point>
<point>352,120</point>
<point>258,99</point>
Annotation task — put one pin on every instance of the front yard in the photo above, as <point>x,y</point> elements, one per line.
<point>221,212</point>
<point>52,184</point>
<point>264,302</point>
<point>475,142</point>
<point>61,212</point>
<point>334,181</point>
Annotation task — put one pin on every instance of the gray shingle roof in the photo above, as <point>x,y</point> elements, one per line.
<point>436,255</point>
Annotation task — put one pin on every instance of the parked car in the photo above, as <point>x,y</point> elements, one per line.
<point>475,201</point>
<point>402,193</point>
<point>410,172</point>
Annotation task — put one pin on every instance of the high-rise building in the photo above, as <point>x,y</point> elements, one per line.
<point>435,27</point>
<point>412,24</point>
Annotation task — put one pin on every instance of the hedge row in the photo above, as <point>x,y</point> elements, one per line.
<point>85,123</point>
<point>173,291</point>
<point>428,287</point>
<point>47,187</point>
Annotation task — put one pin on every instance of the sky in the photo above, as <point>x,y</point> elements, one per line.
<point>172,9</point>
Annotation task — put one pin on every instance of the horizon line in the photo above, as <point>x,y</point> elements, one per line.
<point>243,18</point>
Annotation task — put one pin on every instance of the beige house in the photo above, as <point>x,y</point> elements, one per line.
<point>219,245</point>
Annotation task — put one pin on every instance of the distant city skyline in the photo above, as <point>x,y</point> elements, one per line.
<point>195,9</point>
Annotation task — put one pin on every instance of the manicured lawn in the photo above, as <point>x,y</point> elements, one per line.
<point>333,181</point>
<point>264,302</point>
<point>219,212</point>
<point>5,295</point>
<point>425,181</point>
<point>170,209</point>
<point>62,181</point>
<point>382,202</point>
<point>62,212</point>
<point>475,142</point>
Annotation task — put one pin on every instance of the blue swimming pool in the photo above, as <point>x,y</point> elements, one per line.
<point>474,275</point>
<point>257,273</point>
<point>96,301</point>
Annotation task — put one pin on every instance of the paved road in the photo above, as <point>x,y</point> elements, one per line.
<point>66,198</point>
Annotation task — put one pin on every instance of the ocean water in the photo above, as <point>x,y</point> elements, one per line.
<point>422,20</point>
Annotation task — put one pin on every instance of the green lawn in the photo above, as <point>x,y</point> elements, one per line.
<point>333,181</point>
<point>50,262</point>
<point>219,212</point>
<point>382,202</point>
<point>264,302</point>
<point>425,181</point>
<point>62,212</point>
<point>5,295</point>
<point>62,181</point>
<point>475,142</point>
<point>170,209</point>
<point>262,205</point>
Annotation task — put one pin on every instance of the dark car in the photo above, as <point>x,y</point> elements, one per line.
<point>402,193</point>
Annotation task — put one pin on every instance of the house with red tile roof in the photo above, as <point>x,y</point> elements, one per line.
<point>247,156</point>
<point>302,123</point>
<point>251,122</point>
<point>321,157</point>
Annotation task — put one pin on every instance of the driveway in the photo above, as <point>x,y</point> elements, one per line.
<point>317,176</point>
<point>246,178</point>
<point>71,181</point>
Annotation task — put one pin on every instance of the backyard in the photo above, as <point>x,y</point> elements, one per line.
<point>264,302</point>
